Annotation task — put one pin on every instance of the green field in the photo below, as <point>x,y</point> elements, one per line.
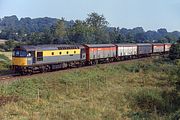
<point>133,90</point>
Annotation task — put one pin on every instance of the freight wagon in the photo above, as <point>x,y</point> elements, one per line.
<point>126,50</point>
<point>100,53</point>
<point>158,48</point>
<point>144,49</point>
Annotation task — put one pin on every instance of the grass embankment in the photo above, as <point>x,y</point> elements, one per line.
<point>138,90</point>
<point>4,64</point>
<point>7,54</point>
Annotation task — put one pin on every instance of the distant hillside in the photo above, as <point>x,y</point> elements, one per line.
<point>2,41</point>
<point>40,29</point>
<point>27,24</point>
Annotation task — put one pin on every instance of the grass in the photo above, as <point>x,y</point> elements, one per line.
<point>108,92</point>
<point>7,54</point>
<point>4,64</point>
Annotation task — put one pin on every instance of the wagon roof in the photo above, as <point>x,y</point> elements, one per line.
<point>141,44</point>
<point>48,47</point>
<point>158,43</point>
<point>126,45</point>
<point>99,45</point>
<point>168,43</point>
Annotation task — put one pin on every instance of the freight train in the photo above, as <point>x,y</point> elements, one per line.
<point>43,58</point>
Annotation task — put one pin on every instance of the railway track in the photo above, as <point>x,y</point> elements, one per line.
<point>12,77</point>
<point>5,77</point>
<point>8,77</point>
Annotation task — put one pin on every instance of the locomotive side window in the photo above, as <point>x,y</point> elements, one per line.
<point>39,56</point>
<point>52,53</point>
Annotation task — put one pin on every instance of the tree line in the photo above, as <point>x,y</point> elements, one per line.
<point>94,30</point>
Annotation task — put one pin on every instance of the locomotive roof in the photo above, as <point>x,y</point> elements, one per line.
<point>99,45</point>
<point>48,47</point>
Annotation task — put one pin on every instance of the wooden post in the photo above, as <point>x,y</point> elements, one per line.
<point>88,84</point>
<point>155,110</point>
<point>106,82</point>
<point>66,88</point>
<point>38,95</point>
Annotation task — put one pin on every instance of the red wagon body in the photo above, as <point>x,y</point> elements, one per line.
<point>100,51</point>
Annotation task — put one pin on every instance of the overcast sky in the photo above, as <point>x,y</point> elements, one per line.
<point>149,14</point>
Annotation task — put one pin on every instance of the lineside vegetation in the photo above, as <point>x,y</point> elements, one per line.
<point>144,89</point>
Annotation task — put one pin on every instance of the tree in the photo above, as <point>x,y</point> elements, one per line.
<point>130,38</point>
<point>47,38</point>
<point>96,21</point>
<point>94,29</point>
<point>60,32</point>
<point>33,38</point>
<point>162,32</point>
<point>9,45</point>
<point>60,29</point>
<point>178,41</point>
<point>98,24</point>
<point>175,51</point>
<point>80,32</point>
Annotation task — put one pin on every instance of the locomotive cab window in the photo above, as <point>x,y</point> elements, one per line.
<point>67,52</point>
<point>19,53</point>
<point>52,53</point>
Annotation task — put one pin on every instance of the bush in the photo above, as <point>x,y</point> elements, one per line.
<point>175,51</point>
<point>175,116</point>
<point>150,100</point>
<point>138,67</point>
<point>156,102</point>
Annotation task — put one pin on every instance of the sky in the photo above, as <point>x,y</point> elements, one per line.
<point>149,14</point>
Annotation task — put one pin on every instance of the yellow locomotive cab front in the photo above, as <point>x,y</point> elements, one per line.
<point>19,58</point>
<point>20,61</point>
